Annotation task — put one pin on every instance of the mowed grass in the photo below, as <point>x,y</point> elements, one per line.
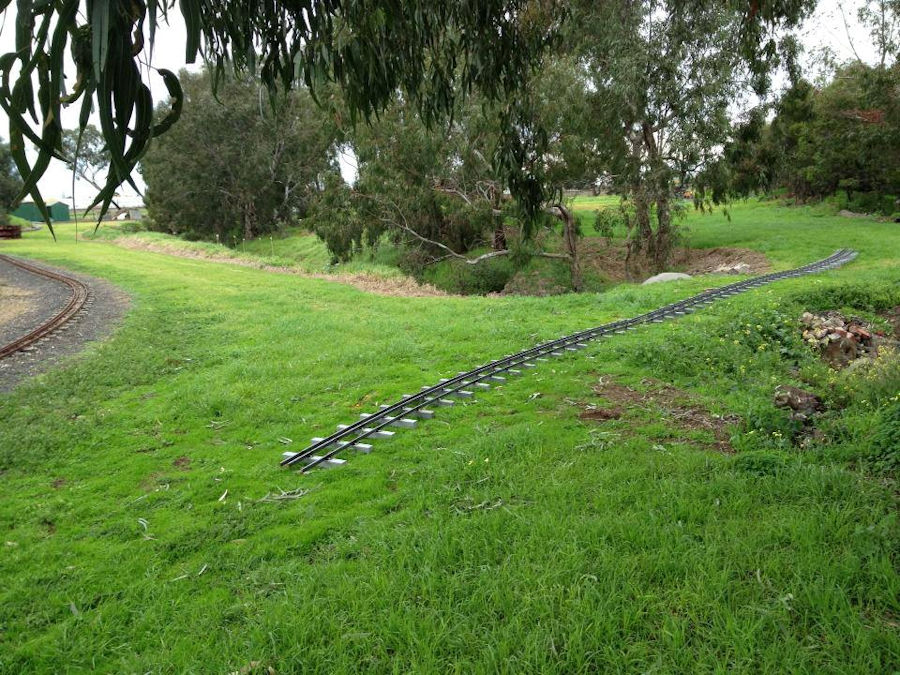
<point>293,248</point>
<point>505,535</point>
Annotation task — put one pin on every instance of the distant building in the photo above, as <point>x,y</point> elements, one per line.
<point>59,211</point>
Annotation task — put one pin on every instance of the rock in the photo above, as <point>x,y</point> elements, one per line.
<point>860,332</point>
<point>840,352</point>
<point>734,268</point>
<point>666,276</point>
<point>803,402</point>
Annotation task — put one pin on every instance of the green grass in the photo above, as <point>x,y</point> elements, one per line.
<point>294,248</point>
<point>296,245</point>
<point>595,203</point>
<point>505,535</point>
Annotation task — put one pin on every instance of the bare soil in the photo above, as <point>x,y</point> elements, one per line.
<point>14,302</point>
<point>672,404</point>
<point>609,259</point>
<point>893,317</point>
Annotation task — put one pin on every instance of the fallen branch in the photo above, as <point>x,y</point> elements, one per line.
<point>284,496</point>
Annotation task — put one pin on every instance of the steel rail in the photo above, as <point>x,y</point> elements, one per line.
<point>411,404</point>
<point>73,306</point>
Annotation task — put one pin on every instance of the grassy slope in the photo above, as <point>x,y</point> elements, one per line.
<point>505,535</point>
<point>295,248</point>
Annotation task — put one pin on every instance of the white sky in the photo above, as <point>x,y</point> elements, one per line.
<point>825,29</point>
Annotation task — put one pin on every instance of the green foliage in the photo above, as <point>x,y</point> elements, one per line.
<point>335,219</point>
<point>431,52</point>
<point>236,171</point>
<point>885,452</point>
<point>664,75</point>
<point>86,153</point>
<point>869,296</point>
<point>842,140</point>
<point>607,221</point>
<point>461,278</point>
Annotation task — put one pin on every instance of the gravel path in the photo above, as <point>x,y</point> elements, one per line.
<point>27,300</point>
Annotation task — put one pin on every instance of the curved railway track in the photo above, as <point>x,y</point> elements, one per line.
<point>324,451</point>
<point>76,302</point>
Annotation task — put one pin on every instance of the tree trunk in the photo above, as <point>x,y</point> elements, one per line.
<point>499,243</point>
<point>248,221</point>
<point>663,240</point>
<point>641,239</point>
<point>570,236</point>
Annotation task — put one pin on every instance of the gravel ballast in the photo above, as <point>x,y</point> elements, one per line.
<point>31,299</point>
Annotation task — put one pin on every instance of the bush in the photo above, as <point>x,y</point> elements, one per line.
<point>885,443</point>
<point>870,296</point>
<point>239,170</point>
<point>455,276</point>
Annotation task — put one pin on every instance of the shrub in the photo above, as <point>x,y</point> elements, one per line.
<point>868,296</point>
<point>490,276</point>
<point>885,439</point>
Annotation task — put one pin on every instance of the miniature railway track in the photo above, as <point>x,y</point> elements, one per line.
<point>77,300</point>
<point>324,451</point>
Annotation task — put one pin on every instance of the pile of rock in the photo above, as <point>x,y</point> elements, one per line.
<point>802,404</point>
<point>841,340</point>
<point>734,269</point>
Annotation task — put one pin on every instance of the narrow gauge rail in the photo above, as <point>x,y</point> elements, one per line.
<point>76,301</point>
<point>323,451</point>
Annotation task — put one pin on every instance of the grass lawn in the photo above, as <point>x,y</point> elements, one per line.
<point>508,534</point>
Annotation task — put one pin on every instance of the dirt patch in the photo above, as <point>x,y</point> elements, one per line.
<point>183,463</point>
<point>601,414</point>
<point>14,302</point>
<point>892,316</point>
<point>673,405</point>
<point>393,286</point>
<point>708,260</point>
<point>58,483</point>
<point>610,260</point>
<point>845,213</point>
<point>607,262</point>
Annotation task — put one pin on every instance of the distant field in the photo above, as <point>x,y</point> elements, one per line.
<point>594,203</point>
<point>518,532</point>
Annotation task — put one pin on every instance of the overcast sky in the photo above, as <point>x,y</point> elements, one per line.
<point>826,29</point>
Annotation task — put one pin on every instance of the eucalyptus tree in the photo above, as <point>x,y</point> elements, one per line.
<point>239,166</point>
<point>841,137</point>
<point>432,52</point>
<point>664,75</point>
<point>85,152</point>
<point>437,190</point>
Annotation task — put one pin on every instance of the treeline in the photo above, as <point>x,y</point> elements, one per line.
<point>637,98</point>
<point>840,140</point>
